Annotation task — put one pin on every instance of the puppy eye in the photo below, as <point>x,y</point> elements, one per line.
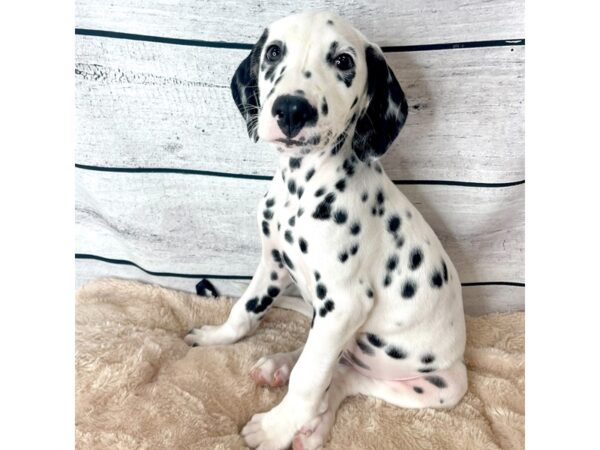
<point>344,62</point>
<point>273,53</point>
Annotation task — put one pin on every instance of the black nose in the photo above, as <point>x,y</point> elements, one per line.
<point>293,112</point>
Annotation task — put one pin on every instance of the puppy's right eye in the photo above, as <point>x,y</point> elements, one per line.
<point>273,53</point>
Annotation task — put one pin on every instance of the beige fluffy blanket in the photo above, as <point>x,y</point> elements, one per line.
<point>138,386</point>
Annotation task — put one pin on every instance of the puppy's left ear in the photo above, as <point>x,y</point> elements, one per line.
<point>379,124</point>
<point>244,86</point>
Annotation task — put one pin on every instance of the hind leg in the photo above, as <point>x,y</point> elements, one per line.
<point>441,389</point>
<point>274,370</point>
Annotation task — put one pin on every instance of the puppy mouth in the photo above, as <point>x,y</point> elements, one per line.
<point>313,140</point>
<point>291,142</point>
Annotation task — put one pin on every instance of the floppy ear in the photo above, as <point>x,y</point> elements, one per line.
<point>244,86</point>
<point>379,124</point>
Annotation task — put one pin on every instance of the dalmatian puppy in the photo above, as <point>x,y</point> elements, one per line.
<point>387,318</point>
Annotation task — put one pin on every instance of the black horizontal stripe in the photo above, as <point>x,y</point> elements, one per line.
<point>124,262</point>
<point>494,283</point>
<point>173,170</point>
<point>244,46</point>
<point>267,177</point>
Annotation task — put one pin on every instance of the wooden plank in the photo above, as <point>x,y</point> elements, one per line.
<point>383,21</point>
<point>205,225</point>
<point>477,300</point>
<point>142,104</point>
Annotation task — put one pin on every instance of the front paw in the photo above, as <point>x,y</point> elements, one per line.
<point>209,335</point>
<point>273,430</point>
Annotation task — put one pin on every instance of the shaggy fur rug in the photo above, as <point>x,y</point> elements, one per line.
<point>138,386</point>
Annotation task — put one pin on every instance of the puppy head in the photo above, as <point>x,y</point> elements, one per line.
<point>312,81</point>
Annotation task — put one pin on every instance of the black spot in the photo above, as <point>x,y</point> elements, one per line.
<point>274,275</point>
<point>426,370</point>
<point>343,256</point>
<point>354,249</point>
<point>292,186</point>
<point>355,228</point>
<point>310,173</point>
<point>322,311</point>
<point>338,144</point>
<point>418,390</point>
<point>341,185</point>
<point>288,261</point>
<point>322,211</point>
<point>329,22</point>
<point>354,102</point>
<point>375,340</point>
<point>445,270</point>
<point>292,221</point>
<point>264,304</point>
<point>329,305</point>
<point>331,54</point>
<point>195,344</point>
<point>273,291</point>
<point>307,74</point>
<point>270,202</point>
<point>408,289</point>
<point>378,168</point>
<point>288,236</point>
<point>392,262</point>
<point>340,216</point>
<point>400,242</point>
<point>295,163</point>
<point>387,281</point>
<point>393,223</point>
<point>324,107</point>
<point>319,191</point>
<point>415,259</point>
<point>317,276</point>
<point>364,347</point>
<point>438,382</point>
<point>300,212</point>
<point>427,358</point>
<point>300,192</point>
<point>436,279</point>
<point>395,352</point>
<point>321,291</point>
<point>303,245</point>
<point>276,256</point>
<point>379,196</point>
<point>364,196</point>
<point>265,228</point>
<point>369,293</point>
<point>268,214</point>
<point>251,304</point>
<point>348,167</point>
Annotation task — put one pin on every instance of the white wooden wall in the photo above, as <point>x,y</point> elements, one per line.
<point>167,180</point>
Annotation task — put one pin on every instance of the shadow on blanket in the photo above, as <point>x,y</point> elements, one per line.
<point>138,386</point>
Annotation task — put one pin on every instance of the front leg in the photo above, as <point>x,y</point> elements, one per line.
<point>267,283</point>
<point>339,314</point>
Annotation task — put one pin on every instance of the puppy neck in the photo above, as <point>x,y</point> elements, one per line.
<point>318,159</point>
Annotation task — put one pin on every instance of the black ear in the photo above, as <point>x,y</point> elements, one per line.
<point>380,123</point>
<point>244,86</point>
